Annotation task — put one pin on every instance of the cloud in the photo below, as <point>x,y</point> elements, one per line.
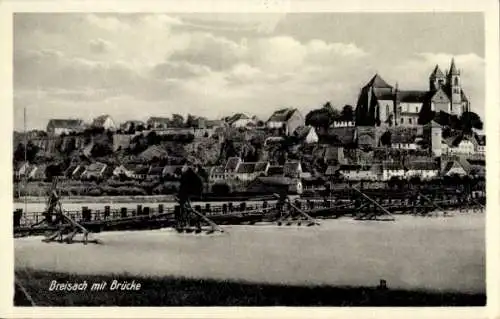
<point>414,73</point>
<point>134,66</point>
<point>109,23</point>
<point>100,46</point>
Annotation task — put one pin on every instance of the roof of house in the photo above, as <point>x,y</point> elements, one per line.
<point>172,170</point>
<point>392,166</point>
<point>246,168</point>
<point>154,151</point>
<point>156,170</point>
<point>276,170</point>
<point>232,164</point>
<point>402,138</point>
<point>99,121</point>
<point>136,168</point>
<point>282,115</point>
<point>237,117</point>
<point>261,166</point>
<point>158,119</point>
<point>65,123</point>
<point>291,168</point>
<point>302,131</point>
<point>453,141</point>
<point>217,170</point>
<point>275,180</point>
<point>353,167</point>
<point>96,167</point>
<point>344,135</point>
<point>480,139</point>
<point>450,164</point>
<point>422,165</point>
<point>331,170</point>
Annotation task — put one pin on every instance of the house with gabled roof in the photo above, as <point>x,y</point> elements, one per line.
<point>306,134</point>
<point>454,167</point>
<point>288,119</point>
<point>66,126</point>
<point>104,121</point>
<point>97,170</point>
<point>132,171</point>
<point>232,164</point>
<point>238,120</point>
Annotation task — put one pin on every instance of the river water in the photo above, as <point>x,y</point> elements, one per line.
<point>432,253</point>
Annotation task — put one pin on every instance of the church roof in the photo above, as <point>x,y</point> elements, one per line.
<point>412,96</point>
<point>437,73</point>
<point>378,82</point>
<point>464,97</point>
<point>453,68</point>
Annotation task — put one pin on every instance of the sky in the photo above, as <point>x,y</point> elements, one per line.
<point>133,66</point>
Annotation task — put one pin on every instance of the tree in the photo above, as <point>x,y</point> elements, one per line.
<point>332,112</point>
<point>319,118</point>
<point>191,121</point>
<point>385,139</point>
<point>426,115</point>
<point>131,128</point>
<point>347,113</point>
<point>177,120</point>
<point>470,120</point>
<point>31,152</point>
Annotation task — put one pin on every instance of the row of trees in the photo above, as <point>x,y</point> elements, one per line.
<point>325,116</point>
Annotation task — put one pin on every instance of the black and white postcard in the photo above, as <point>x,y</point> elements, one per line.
<point>303,159</point>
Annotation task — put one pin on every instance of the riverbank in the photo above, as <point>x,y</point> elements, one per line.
<point>172,291</point>
<point>100,199</point>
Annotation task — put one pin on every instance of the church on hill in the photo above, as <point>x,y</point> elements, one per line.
<point>380,104</point>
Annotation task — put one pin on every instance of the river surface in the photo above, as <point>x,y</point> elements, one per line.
<point>431,253</point>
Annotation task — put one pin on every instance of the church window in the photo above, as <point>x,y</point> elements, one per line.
<point>387,110</point>
<point>456,81</point>
<point>402,120</point>
<point>409,121</point>
<point>416,109</point>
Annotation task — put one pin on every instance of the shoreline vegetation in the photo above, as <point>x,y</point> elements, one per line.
<point>181,291</point>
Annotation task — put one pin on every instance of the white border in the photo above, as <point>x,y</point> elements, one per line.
<point>490,8</point>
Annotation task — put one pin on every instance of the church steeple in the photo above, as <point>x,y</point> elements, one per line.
<point>455,89</point>
<point>453,68</point>
<point>437,79</point>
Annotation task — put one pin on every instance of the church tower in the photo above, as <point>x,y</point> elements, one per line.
<point>437,79</point>
<point>455,89</point>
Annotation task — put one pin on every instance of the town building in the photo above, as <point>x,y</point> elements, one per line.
<point>353,172</point>
<point>306,134</point>
<point>286,119</point>
<point>132,125</point>
<point>458,145</point>
<point>423,170</point>
<point>131,171</point>
<point>381,104</point>
<point>98,171</point>
<point>454,167</point>
<point>158,123</point>
<point>239,120</point>
<point>65,126</point>
<point>433,136</point>
<point>393,170</point>
<point>105,122</point>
